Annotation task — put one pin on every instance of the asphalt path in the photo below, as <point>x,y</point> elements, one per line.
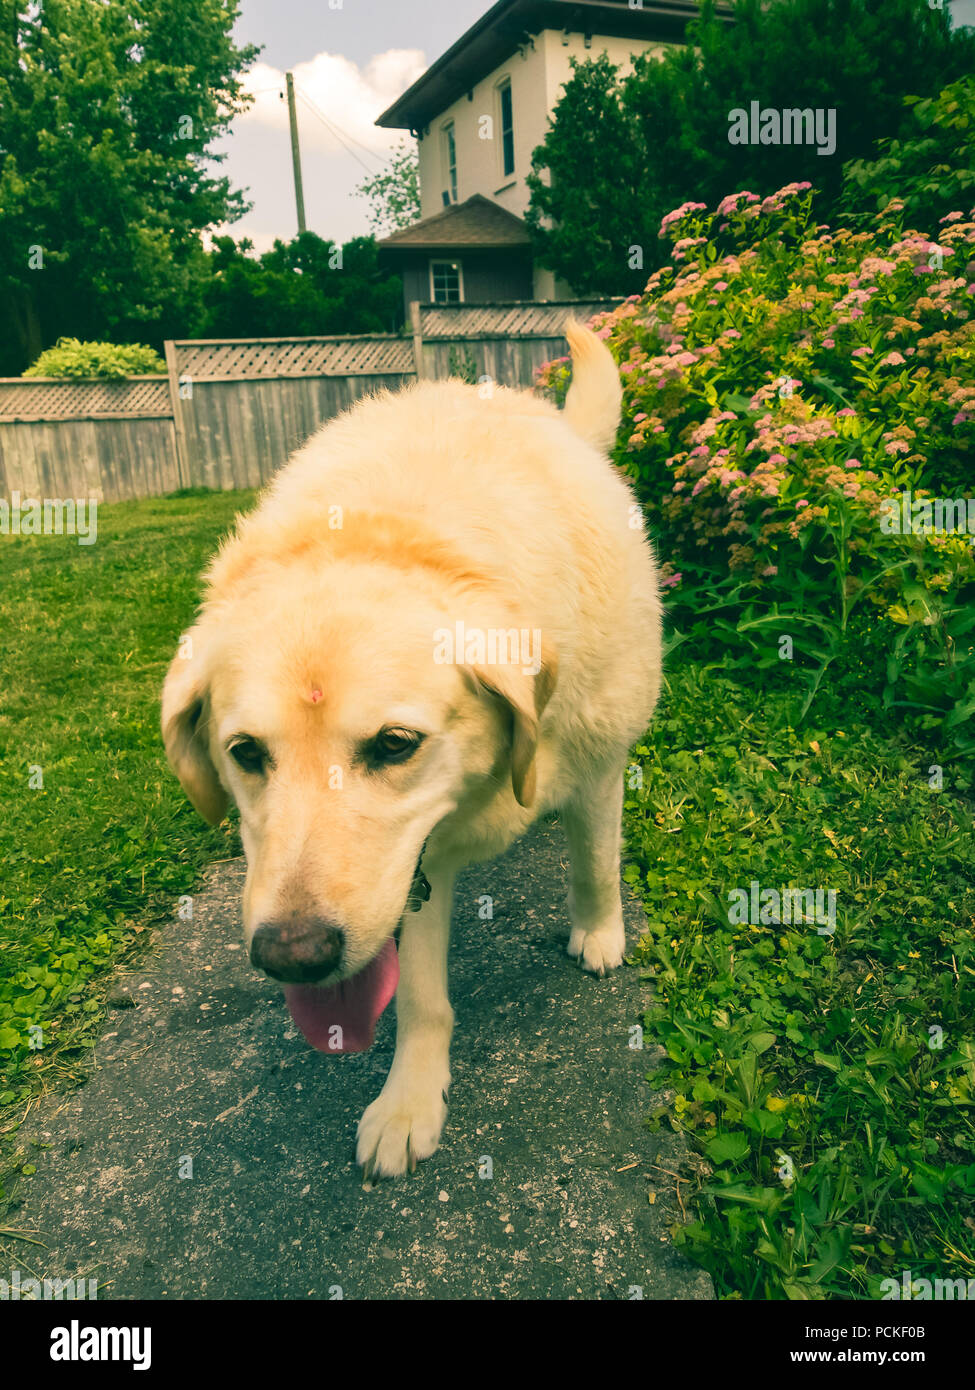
<point>210,1154</point>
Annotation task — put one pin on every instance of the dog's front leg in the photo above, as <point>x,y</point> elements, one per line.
<point>405,1120</point>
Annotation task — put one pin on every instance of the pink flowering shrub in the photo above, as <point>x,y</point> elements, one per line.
<point>781,380</point>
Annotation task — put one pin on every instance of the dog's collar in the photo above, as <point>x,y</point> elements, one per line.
<point>420,887</point>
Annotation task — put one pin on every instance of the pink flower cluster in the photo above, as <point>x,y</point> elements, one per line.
<point>678,215</point>
<point>757,398</point>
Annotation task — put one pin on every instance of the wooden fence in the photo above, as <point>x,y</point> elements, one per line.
<point>242,408</point>
<point>229,412</point>
<point>506,342</point>
<point>107,439</point>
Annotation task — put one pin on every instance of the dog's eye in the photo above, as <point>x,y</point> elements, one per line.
<point>395,745</point>
<point>249,755</point>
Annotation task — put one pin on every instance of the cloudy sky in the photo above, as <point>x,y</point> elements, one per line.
<point>350,62</point>
<point>351,59</point>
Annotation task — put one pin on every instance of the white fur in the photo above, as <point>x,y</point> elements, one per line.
<point>453,504</point>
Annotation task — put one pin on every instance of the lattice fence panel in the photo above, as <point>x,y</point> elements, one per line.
<point>245,360</point>
<point>60,398</point>
<point>519,319</point>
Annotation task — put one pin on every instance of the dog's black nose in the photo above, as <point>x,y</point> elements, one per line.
<point>299,953</point>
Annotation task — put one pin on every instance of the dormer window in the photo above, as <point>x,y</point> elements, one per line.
<point>449,147</point>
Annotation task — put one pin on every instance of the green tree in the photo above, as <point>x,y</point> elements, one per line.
<point>107,111</point>
<point>585,209</point>
<point>931,169</point>
<point>623,150</point>
<point>394,192</point>
<point>305,286</point>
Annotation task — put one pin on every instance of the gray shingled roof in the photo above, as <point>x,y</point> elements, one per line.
<point>478,222</point>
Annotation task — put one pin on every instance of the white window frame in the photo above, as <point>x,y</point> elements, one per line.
<point>454,265</point>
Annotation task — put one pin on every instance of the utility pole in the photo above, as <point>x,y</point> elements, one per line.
<point>295,154</point>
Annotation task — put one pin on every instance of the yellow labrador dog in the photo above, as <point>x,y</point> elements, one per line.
<point>441,621</point>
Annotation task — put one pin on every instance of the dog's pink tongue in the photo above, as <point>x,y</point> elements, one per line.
<point>342,1018</point>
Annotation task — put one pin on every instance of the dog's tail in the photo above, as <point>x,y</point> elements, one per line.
<point>592,407</point>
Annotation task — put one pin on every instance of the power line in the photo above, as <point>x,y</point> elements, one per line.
<point>332,128</point>
<point>372,153</point>
<point>333,131</point>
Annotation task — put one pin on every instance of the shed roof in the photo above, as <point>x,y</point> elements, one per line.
<point>476,223</point>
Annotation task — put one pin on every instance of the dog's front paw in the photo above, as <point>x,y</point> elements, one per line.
<point>599,951</point>
<point>402,1125</point>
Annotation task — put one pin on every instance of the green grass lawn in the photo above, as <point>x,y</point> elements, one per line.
<point>824,1080</point>
<point>834,1144</point>
<point>106,844</point>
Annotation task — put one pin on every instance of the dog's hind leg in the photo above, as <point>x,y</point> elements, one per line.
<point>405,1120</point>
<point>592,820</point>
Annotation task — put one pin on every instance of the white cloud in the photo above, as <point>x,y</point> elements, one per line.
<point>333,161</point>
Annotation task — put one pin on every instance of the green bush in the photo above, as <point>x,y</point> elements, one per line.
<point>786,386</point>
<point>931,169</point>
<point>115,360</point>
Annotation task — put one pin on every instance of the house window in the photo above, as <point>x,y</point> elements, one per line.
<point>446,282</point>
<point>507,130</point>
<point>450,163</point>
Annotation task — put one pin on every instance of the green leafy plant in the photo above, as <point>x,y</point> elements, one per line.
<point>930,168</point>
<point>112,360</point>
<point>462,364</point>
<point>786,387</point>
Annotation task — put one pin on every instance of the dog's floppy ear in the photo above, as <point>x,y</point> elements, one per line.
<point>526,696</point>
<point>185,717</point>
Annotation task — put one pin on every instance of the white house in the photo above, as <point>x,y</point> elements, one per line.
<point>478,113</point>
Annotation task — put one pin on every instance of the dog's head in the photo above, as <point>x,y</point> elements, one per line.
<point>347,714</point>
